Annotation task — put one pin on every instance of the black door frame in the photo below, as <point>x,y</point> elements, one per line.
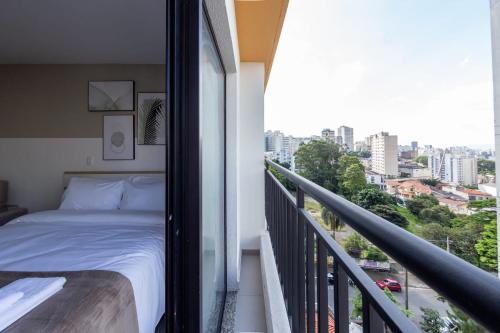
<point>184,201</point>
<point>184,229</point>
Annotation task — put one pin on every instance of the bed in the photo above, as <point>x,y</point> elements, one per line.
<point>127,242</point>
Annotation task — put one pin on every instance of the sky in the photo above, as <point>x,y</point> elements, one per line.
<point>419,69</point>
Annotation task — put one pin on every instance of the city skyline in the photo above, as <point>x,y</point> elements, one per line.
<point>422,74</point>
<point>420,144</point>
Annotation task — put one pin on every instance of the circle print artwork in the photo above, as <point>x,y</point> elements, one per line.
<point>118,142</point>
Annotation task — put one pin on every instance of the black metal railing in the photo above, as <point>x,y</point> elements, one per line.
<point>302,248</point>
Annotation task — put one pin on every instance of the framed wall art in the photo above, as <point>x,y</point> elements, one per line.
<point>151,122</point>
<point>111,96</point>
<point>118,138</point>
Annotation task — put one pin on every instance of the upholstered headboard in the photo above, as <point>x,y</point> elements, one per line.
<point>108,174</point>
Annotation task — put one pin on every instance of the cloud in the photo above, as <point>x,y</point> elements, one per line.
<point>464,62</point>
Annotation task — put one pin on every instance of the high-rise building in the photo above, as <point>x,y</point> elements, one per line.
<point>347,134</point>
<point>328,134</point>
<point>368,142</point>
<point>273,141</point>
<point>414,145</point>
<point>384,149</point>
<point>361,146</point>
<point>280,147</point>
<point>455,169</point>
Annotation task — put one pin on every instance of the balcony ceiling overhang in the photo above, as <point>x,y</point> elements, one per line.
<point>259,24</point>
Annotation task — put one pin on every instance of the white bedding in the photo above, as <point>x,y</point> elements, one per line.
<point>129,242</point>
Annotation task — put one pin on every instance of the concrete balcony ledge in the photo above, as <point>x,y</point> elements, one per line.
<point>274,302</point>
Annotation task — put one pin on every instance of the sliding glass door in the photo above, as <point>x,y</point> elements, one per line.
<point>212,139</point>
<point>196,248</point>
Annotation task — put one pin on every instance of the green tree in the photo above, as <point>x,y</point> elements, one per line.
<point>481,218</point>
<point>390,214</point>
<point>282,179</point>
<point>317,161</point>
<point>435,232</point>
<point>478,204</point>
<point>487,248</point>
<point>370,196</point>
<point>464,323</point>
<point>486,166</point>
<point>421,202</point>
<point>355,244</point>
<point>357,305</point>
<point>463,241</point>
<point>430,182</point>
<point>374,253</point>
<point>437,214</point>
<point>345,161</point>
<point>422,160</point>
<point>331,220</point>
<point>393,299</point>
<point>353,180</point>
<point>431,321</point>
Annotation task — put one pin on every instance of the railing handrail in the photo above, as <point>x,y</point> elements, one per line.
<point>470,288</point>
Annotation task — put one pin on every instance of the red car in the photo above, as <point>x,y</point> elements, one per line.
<point>393,285</point>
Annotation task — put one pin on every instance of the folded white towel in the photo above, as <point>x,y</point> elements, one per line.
<point>7,298</point>
<point>35,291</point>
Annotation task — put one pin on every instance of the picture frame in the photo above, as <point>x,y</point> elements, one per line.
<point>118,140</point>
<point>115,95</point>
<point>151,118</point>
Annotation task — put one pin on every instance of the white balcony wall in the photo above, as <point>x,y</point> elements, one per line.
<point>251,154</point>
<point>495,39</point>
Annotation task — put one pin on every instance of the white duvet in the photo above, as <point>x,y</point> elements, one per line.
<point>129,242</point>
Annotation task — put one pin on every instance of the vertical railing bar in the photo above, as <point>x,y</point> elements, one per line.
<point>366,314</point>
<point>280,222</point>
<point>311,302</point>
<point>322,287</point>
<point>280,228</point>
<point>285,253</point>
<point>291,291</point>
<point>300,262</point>
<point>372,322</point>
<point>296,298</point>
<point>340,297</point>
<point>376,322</point>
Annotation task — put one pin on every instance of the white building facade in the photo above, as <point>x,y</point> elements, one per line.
<point>455,169</point>
<point>347,135</point>
<point>384,149</point>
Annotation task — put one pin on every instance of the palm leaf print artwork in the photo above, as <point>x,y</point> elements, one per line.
<point>151,119</point>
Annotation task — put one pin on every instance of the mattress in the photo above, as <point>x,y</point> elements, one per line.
<point>128,242</point>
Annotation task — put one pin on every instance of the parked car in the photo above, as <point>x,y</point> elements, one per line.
<point>393,285</point>
<point>329,276</point>
<point>448,325</point>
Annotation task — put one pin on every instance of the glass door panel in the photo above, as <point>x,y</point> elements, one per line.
<point>212,136</point>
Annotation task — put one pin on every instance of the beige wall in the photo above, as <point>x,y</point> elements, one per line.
<point>50,101</point>
<point>46,129</point>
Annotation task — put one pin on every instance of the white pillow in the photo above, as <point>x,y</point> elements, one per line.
<point>92,193</point>
<point>142,194</point>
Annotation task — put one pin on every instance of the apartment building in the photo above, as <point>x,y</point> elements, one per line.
<point>347,135</point>
<point>281,147</point>
<point>384,148</point>
<point>455,169</point>
<point>328,134</point>
<point>360,146</point>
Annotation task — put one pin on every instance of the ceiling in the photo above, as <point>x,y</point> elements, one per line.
<point>259,24</point>
<point>82,31</point>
